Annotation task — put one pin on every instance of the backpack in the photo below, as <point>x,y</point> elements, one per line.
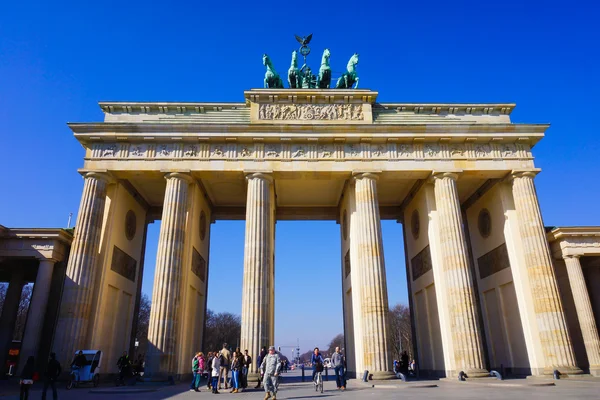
<point>319,366</point>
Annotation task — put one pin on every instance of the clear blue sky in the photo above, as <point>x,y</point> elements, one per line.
<point>58,59</point>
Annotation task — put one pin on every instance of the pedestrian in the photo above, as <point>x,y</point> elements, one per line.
<point>404,362</point>
<point>27,378</point>
<point>209,360</point>
<point>195,373</point>
<point>338,361</point>
<point>246,369</point>
<point>261,356</point>
<point>270,367</point>
<point>201,367</point>
<point>139,365</point>
<point>225,365</point>
<point>52,373</point>
<point>215,372</point>
<point>237,362</point>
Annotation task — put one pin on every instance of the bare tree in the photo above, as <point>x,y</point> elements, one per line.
<point>400,331</point>
<point>143,324</point>
<point>222,328</point>
<point>305,357</point>
<point>22,312</point>
<point>3,287</point>
<point>337,341</point>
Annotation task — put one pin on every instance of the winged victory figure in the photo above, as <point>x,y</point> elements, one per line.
<point>304,40</point>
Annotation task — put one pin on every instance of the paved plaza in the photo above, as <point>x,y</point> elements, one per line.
<point>292,388</point>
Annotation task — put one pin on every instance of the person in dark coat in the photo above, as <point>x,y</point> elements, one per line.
<point>262,354</point>
<point>27,378</point>
<point>52,373</point>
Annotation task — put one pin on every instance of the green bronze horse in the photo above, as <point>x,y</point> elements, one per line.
<point>272,78</point>
<point>349,78</point>
<point>294,76</point>
<point>324,78</point>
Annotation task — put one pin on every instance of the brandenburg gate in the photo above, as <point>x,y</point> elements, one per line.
<point>459,177</point>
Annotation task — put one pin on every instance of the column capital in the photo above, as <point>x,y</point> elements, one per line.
<point>366,174</point>
<point>523,173</point>
<point>100,175</point>
<point>435,175</point>
<point>184,176</point>
<point>571,256</point>
<point>266,175</point>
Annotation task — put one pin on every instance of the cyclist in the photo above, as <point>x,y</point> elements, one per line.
<point>124,365</point>
<point>317,363</point>
<point>77,364</point>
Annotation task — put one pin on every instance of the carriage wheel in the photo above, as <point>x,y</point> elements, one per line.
<point>69,384</point>
<point>96,380</point>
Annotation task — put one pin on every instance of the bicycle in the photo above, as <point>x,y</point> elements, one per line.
<point>318,382</point>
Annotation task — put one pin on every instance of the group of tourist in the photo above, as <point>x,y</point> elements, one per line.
<point>215,366</point>
<point>405,367</point>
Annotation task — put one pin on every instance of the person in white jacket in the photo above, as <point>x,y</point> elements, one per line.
<point>216,366</point>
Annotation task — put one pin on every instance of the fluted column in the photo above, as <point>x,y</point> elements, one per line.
<point>162,332</point>
<point>585,314</point>
<point>76,302</point>
<point>551,323</point>
<point>373,289</point>
<point>460,299</point>
<point>257,312</point>
<point>37,311</point>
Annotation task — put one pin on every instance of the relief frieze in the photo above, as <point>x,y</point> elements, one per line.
<point>310,112</point>
<point>302,151</point>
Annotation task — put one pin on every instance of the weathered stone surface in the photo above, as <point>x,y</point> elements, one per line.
<point>258,287</point>
<point>554,336</point>
<point>165,312</point>
<point>462,310</point>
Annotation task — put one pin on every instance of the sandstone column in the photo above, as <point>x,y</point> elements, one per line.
<point>554,336</point>
<point>37,311</point>
<point>9,315</point>
<point>585,314</point>
<point>257,312</point>
<point>373,289</point>
<point>80,280</point>
<point>164,314</point>
<point>462,309</point>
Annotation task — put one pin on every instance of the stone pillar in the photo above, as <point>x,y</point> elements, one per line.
<point>373,289</point>
<point>553,334</point>
<point>458,280</point>
<point>257,310</point>
<point>585,314</point>
<point>37,311</point>
<point>80,280</point>
<point>164,314</point>
<point>9,315</point>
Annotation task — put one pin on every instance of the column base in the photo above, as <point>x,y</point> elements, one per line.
<point>595,370</point>
<point>563,369</point>
<point>477,373</point>
<point>253,377</point>
<point>382,375</point>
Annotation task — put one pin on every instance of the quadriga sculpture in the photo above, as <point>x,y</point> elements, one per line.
<point>349,78</point>
<point>272,78</point>
<point>324,78</point>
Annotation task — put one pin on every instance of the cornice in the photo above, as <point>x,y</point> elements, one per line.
<point>183,129</point>
<point>137,107</point>
<point>573,232</point>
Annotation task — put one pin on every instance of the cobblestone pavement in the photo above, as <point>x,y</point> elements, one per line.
<point>292,388</point>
